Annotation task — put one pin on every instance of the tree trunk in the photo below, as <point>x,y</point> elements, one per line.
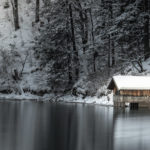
<point>113,53</point>
<point>84,34</point>
<point>109,64</point>
<point>15,14</point>
<point>112,41</point>
<point>37,17</point>
<point>75,52</point>
<point>146,32</point>
<point>69,69</point>
<point>84,28</point>
<point>70,78</point>
<point>93,41</point>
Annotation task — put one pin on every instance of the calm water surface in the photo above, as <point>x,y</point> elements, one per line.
<point>46,126</point>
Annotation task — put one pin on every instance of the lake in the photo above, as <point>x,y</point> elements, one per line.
<point>30,125</point>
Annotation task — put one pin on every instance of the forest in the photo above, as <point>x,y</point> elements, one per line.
<point>76,45</point>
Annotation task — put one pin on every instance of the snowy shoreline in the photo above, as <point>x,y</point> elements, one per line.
<point>18,97</point>
<point>103,101</point>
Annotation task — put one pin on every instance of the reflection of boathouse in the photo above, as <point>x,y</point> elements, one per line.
<point>131,89</point>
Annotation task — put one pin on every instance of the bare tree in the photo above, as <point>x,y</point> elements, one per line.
<point>75,52</point>
<point>112,41</point>
<point>83,23</point>
<point>93,40</point>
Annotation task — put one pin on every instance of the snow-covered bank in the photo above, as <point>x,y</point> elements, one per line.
<point>104,100</point>
<point>26,96</point>
<point>90,100</point>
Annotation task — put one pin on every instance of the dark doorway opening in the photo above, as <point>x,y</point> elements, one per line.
<point>134,105</point>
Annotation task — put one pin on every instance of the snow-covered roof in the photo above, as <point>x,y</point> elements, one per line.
<point>130,82</point>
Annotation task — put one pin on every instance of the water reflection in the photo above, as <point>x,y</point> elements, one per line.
<point>132,130</point>
<point>45,126</point>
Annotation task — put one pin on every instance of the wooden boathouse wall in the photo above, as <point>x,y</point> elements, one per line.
<point>135,92</point>
<point>142,97</point>
<point>131,96</point>
<point>131,92</point>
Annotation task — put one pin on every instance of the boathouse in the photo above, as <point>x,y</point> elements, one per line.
<point>130,89</point>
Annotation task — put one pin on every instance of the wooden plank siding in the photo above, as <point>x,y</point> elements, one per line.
<point>115,90</point>
<point>135,92</point>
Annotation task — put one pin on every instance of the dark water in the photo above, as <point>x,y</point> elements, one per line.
<point>46,126</point>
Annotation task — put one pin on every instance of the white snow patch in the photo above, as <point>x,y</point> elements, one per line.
<point>104,100</point>
<point>25,96</point>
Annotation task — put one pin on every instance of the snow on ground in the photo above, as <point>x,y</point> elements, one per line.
<point>21,38</point>
<point>21,41</point>
<point>25,96</point>
<point>146,66</point>
<point>104,100</point>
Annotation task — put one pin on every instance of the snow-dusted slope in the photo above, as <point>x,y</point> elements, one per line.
<point>22,38</point>
<point>20,41</point>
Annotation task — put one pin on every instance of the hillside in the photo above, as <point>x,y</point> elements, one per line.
<point>69,50</point>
